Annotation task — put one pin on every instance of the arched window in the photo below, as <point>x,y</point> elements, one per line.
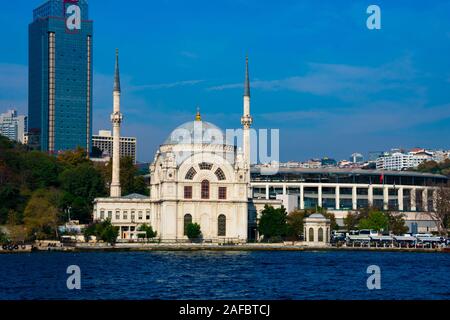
<point>222,226</point>
<point>205,166</point>
<point>190,174</point>
<point>187,221</point>
<point>320,235</point>
<point>311,235</point>
<point>220,175</point>
<point>205,189</point>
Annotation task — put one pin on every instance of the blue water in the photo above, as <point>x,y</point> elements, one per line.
<point>225,275</point>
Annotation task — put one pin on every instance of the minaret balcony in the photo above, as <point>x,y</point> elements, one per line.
<point>116,117</point>
<point>247,121</point>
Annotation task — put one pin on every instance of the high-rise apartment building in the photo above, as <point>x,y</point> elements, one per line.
<point>13,126</point>
<point>104,142</point>
<point>60,76</point>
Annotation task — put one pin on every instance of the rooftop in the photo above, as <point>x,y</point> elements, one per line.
<point>354,171</point>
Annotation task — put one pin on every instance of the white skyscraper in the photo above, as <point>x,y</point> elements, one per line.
<point>13,126</point>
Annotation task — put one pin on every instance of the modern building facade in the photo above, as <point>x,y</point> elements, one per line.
<point>401,161</point>
<point>60,76</point>
<point>14,126</point>
<point>104,142</point>
<point>341,191</point>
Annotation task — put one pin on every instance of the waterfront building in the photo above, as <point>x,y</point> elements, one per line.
<point>341,191</point>
<point>14,126</point>
<point>60,76</point>
<point>197,177</point>
<point>104,142</point>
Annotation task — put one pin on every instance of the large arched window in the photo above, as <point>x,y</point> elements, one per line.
<point>205,189</point>
<point>320,236</point>
<point>187,221</point>
<point>311,235</point>
<point>222,226</point>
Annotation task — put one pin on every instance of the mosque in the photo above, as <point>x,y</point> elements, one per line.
<point>199,176</point>
<point>195,177</point>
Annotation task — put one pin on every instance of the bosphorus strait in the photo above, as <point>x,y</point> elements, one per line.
<point>321,275</point>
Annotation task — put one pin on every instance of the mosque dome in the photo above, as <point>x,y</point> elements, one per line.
<point>196,132</point>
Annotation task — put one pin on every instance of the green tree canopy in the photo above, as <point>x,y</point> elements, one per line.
<point>102,230</point>
<point>149,233</point>
<point>193,231</point>
<point>351,221</point>
<point>397,224</point>
<point>41,214</point>
<point>73,158</point>
<point>295,223</point>
<point>435,167</point>
<point>82,184</point>
<point>272,224</point>
<point>376,220</point>
<point>130,179</point>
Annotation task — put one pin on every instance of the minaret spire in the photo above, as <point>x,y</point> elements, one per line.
<point>117,73</point>
<point>116,120</point>
<point>247,79</point>
<point>246,122</point>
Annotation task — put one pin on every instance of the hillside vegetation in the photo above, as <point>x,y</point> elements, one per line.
<point>37,189</point>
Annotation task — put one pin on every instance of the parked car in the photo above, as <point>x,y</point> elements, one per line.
<point>368,232</point>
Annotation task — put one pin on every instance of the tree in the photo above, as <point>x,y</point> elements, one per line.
<point>442,214</point>
<point>442,167</point>
<point>376,220</point>
<point>73,158</point>
<point>149,233</point>
<point>41,214</point>
<point>332,218</point>
<point>351,221</point>
<point>102,230</point>
<point>397,224</point>
<point>130,180</point>
<point>273,223</point>
<point>39,170</point>
<point>96,152</point>
<point>193,231</point>
<point>82,184</point>
<point>295,223</point>
<point>3,237</point>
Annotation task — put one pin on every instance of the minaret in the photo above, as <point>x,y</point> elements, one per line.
<point>116,119</point>
<point>247,119</point>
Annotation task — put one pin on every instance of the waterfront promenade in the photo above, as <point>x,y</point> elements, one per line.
<point>56,246</point>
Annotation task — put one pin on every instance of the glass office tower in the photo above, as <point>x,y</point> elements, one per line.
<point>60,76</point>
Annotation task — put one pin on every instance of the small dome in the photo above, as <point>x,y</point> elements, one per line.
<point>317,216</point>
<point>196,132</point>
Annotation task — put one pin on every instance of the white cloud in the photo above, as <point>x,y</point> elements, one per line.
<point>343,81</point>
<point>164,85</point>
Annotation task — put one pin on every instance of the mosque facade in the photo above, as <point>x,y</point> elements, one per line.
<point>196,177</point>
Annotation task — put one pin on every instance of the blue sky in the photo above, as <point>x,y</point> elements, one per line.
<point>329,84</point>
